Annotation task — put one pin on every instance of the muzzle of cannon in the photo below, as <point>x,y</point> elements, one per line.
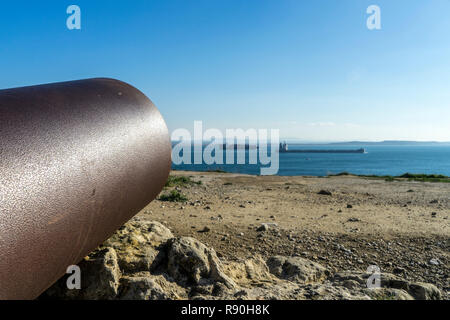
<point>77,160</point>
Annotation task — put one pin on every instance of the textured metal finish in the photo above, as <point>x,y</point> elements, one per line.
<point>77,160</point>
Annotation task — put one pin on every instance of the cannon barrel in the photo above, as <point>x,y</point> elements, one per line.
<point>77,160</point>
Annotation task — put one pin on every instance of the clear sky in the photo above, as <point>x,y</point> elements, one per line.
<point>310,68</point>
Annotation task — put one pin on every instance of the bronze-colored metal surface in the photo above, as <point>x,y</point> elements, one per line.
<point>77,160</point>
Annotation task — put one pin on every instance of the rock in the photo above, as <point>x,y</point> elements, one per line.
<point>388,294</point>
<point>141,232</point>
<point>424,291</point>
<point>100,276</point>
<point>434,262</point>
<point>190,261</point>
<point>353,220</point>
<point>137,245</point>
<point>324,193</point>
<point>263,227</point>
<point>143,261</point>
<point>205,229</point>
<point>349,206</point>
<point>329,291</point>
<point>253,270</point>
<point>141,288</point>
<point>417,290</point>
<point>296,269</point>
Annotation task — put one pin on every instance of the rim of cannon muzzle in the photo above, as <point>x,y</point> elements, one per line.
<point>77,160</point>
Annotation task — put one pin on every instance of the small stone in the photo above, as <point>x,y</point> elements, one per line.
<point>349,206</point>
<point>263,227</point>
<point>324,193</point>
<point>205,229</point>
<point>434,262</point>
<point>399,270</point>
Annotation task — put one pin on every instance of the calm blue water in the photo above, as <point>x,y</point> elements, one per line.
<point>379,160</point>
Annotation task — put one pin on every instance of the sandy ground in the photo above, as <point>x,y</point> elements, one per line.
<point>403,227</point>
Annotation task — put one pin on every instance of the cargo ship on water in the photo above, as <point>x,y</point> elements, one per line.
<point>285,149</point>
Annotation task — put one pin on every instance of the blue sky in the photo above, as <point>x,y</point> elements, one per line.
<point>310,68</point>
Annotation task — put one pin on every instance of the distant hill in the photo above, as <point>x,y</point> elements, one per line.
<point>391,143</point>
<point>369,143</point>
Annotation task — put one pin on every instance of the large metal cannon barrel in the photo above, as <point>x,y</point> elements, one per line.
<point>77,160</point>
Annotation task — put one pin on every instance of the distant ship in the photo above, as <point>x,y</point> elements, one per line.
<point>285,149</point>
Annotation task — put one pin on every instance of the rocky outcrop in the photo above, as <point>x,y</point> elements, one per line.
<point>189,260</point>
<point>297,269</point>
<point>138,245</point>
<point>144,261</point>
<point>392,286</point>
<point>100,276</point>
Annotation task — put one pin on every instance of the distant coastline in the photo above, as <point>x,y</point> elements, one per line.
<point>373,143</point>
<point>381,159</point>
<point>297,142</point>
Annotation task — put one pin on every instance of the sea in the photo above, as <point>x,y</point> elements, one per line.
<point>380,160</point>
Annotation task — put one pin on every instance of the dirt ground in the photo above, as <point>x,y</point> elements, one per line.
<point>401,226</point>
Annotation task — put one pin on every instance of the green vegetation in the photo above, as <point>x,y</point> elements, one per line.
<point>408,176</point>
<point>425,177</point>
<point>173,196</point>
<point>345,173</point>
<point>180,181</point>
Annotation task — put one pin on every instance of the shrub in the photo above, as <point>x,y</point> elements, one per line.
<point>173,196</point>
<point>174,181</point>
